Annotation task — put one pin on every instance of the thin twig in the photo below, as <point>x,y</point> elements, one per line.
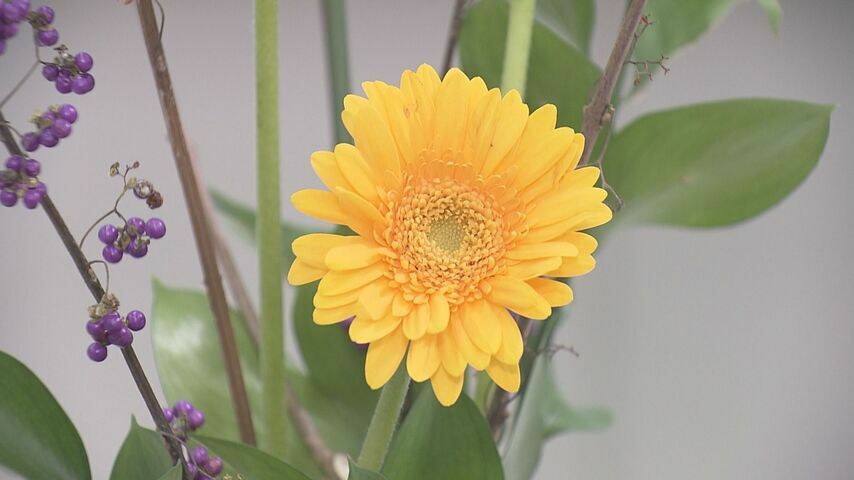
<point>497,412</point>
<point>94,286</point>
<point>596,111</point>
<point>453,33</point>
<point>200,221</point>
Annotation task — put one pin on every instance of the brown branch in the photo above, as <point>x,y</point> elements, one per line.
<point>453,34</point>
<point>94,286</point>
<point>497,412</point>
<point>200,221</point>
<point>596,112</point>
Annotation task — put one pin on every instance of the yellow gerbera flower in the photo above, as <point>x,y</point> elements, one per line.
<point>462,204</point>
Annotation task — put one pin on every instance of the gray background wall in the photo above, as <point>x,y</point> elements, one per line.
<point>724,353</point>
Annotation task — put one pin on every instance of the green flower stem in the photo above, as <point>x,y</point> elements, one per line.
<point>272,348</point>
<point>335,17</point>
<point>518,46</point>
<point>384,421</point>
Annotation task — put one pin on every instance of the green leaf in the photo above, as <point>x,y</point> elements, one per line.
<point>542,414</point>
<point>717,163</point>
<point>774,11</point>
<point>571,19</point>
<point>242,219</point>
<point>451,443</point>
<point>174,473</point>
<point>359,473</point>
<point>249,462</point>
<point>558,72</point>
<point>677,24</point>
<point>37,439</point>
<point>142,456</point>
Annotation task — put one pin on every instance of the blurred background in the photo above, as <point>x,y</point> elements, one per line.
<point>722,353</point>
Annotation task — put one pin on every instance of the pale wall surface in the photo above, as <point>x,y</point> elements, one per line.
<point>724,354</point>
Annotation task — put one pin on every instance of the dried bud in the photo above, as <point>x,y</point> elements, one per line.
<point>143,189</point>
<point>114,169</point>
<point>155,200</point>
<point>135,164</point>
<point>131,182</point>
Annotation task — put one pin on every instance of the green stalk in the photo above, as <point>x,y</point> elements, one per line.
<point>335,17</point>
<point>271,349</point>
<point>518,46</point>
<point>384,421</point>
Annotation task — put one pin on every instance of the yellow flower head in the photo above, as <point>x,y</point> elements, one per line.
<point>462,204</point>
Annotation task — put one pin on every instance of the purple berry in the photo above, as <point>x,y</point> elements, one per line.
<point>48,116</point>
<point>68,112</point>
<point>138,226</point>
<point>83,61</point>
<point>112,254</point>
<point>95,327</point>
<point>30,141</point>
<point>46,13</point>
<point>182,407</point>
<point>8,198</point>
<point>155,228</point>
<point>9,13</point>
<point>61,128</point>
<point>48,138</point>
<point>41,188</point>
<point>108,233</point>
<point>48,38</point>
<point>213,466</point>
<point>14,162</point>
<point>121,337</point>
<point>137,249</point>
<point>8,31</point>
<point>32,167</point>
<point>135,320</point>
<point>195,419</point>
<point>32,198</point>
<point>192,470</point>
<point>83,84</point>
<point>169,414</point>
<point>199,455</point>
<point>112,322</point>
<point>96,352</point>
<point>63,83</point>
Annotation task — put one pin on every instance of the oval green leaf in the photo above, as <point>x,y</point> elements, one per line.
<point>451,443</point>
<point>142,456</point>
<point>37,439</point>
<point>243,461</point>
<point>359,473</point>
<point>174,473</point>
<point>715,164</point>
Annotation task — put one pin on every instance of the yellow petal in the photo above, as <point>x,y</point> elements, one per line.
<point>338,282</point>
<point>481,325</point>
<point>353,256</point>
<point>541,250</point>
<point>512,117</point>
<point>367,331</point>
<point>452,359</point>
<point>556,293</point>
<point>376,298</point>
<point>439,313</point>
<point>329,316</point>
<point>505,376</point>
<point>383,358</point>
<point>374,141</point>
<point>400,307</point>
<point>362,216</point>
<point>301,273</point>
<point>472,354</point>
<point>319,204</point>
<point>511,338</point>
<point>415,324</point>
<point>356,171</point>
<point>451,111</point>
<point>565,204</point>
<point>312,248</point>
<point>446,388</point>
<point>326,168</point>
<point>322,301</point>
<point>517,296</point>
<point>423,358</point>
<point>533,268</point>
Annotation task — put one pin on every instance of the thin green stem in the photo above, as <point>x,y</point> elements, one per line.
<point>335,17</point>
<point>272,348</point>
<point>518,46</point>
<point>384,421</point>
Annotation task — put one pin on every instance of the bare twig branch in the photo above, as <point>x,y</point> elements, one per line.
<point>453,34</point>
<point>497,413</point>
<point>200,222</point>
<point>596,111</point>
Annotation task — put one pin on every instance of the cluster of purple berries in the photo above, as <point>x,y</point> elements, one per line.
<point>133,238</point>
<point>70,73</point>
<point>51,126</point>
<point>12,13</point>
<point>20,180</point>
<point>184,418</point>
<point>112,329</point>
<point>202,465</point>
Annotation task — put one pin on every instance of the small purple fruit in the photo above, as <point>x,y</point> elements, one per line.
<point>112,254</point>
<point>46,13</point>
<point>199,455</point>
<point>135,320</point>
<point>169,414</point>
<point>41,188</point>
<point>8,198</point>
<point>138,226</point>
<point>182,407</point>
<point>137,249</point>
<point>68,112</point>
<point>30,141</point>
<point>63,83</point>
<point>32,198</point>
<point>195,419</point>
<point>155,228</point>
<point>96,352</point>
<point>83,84</point>
<point>61,128</point>
<point>32,167</point>
<point>112,322</point>
<point>95,328</point>
<point>14,162</point>
<point>213,466</point>
<point>50,72</point>
<point>121,337</point>
<point>83,61</point>
<point>48,38</point>
<point>108,233</point>
<point>48,138</point>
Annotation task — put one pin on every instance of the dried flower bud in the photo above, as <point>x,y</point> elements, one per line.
<point>155,200</point>
<point>143,189</point>
<point>114,169</point>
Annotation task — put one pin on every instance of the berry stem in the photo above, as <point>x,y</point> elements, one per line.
<point>198,218</point>
<point>518,47</point>
<point>384,421</point>
<point>94,286</point>
<point>272,348</point>
<point>335,21</point>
